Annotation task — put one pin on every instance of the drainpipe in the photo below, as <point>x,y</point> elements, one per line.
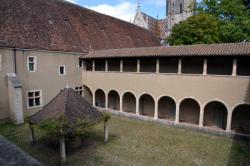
<point>14,58</point>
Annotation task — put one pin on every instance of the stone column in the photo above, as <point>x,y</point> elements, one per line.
<point>205,67</point>
<point>121,104</point>
<point>137,107</point>
<point>106,131</point>
<point>106,66</point>
<point>234,67</point>
<point>229,121</point>
<point>180,66</point>
<point>62,150</point>
<point>177,114</point>
<point>93,65</point>
<point>94,99</point>
<point>106,101</point>
<point>121,65</point>
<point>138,66</point>
<point>156,111</point>
<point>201,119</point>
<point>157,66</point>
<point>15,98</point>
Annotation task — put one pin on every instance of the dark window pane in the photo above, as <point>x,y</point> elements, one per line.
<point>243,66</point>
<point>169,65</point>
<point>192,65</point>
<point>61,70</point>
<point>37,101</point>
<point>30,94</point>
<point>31,102</point>
<point>220,66</point>
<point>31,66</point>
<point>130,65</point>
<point>37,93</point>
<point>100,65</point>
<point>114,65</point>
<point>31,59</point>
<point>148,65</point>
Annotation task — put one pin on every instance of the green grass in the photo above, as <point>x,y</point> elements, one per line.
<point>137,143</point>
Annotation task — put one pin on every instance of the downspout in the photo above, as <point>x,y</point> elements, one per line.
<point>14,57</point>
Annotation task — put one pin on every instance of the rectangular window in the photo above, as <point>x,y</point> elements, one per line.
<point>219,66</point>
<point>31,63</point>
<point>130,65</point>
<point>79,90</point>
<point>169,65</point>
<point>81,63</point>
<point>192,65</point>
<point>34,99</point>
<point>148,65</point>
<point>100,65</point>
<point>89,65</point>
<point>62,70</point>
<point>243,66</point>
<point>114,65</point>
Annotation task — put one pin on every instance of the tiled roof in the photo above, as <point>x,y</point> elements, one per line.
<point>62,26</point>
<point>229,49</point>
<point>70,105</point>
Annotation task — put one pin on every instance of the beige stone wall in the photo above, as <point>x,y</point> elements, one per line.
<point>228,89</point>
<point>46,77</point>
<point>6,66</point>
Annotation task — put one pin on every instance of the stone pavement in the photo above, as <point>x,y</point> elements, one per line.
<point>11,155</point>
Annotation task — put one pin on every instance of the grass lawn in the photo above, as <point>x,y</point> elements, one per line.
<point>136,143</point>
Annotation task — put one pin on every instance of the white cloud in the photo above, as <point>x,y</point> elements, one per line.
<point>124,10</point>
<point>72,1</point>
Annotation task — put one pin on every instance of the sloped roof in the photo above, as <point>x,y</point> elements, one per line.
<point>63,26</point>
<point>227,49</point>
<point>69,105</point>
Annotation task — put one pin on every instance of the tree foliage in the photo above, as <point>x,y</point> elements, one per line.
<point>215,21</point>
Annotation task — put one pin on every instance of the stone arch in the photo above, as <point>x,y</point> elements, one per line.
<point>189,111</point>
<point>215,115</point>
<point>146,105</point>
<point>129,102</point>
<point>113,100</point>
<point>87,94</point>
<point>100,98</point>
<point>166,108</point>
<point>240,119</point>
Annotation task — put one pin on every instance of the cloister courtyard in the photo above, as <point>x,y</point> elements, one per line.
<point>135,142</point>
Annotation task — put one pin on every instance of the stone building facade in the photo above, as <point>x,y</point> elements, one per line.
<point>203,86</point>
<point>40,56</point>
<point>176,11</point>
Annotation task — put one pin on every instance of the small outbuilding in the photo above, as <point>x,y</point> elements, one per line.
<point>68,112</point>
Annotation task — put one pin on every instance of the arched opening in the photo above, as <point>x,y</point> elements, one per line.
<point>129,103</point>
<point>146,105</point>
<point>166,108</point>
<point>87,94</point>
<point>100,98</point>
<point>113,100</point>
<point>215,115</point>
<point>240,119</point>
<point>189,111</point>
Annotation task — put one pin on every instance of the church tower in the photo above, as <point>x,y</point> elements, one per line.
<point>178,10</point>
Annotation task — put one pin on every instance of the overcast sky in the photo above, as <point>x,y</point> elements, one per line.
<point>124,9</point>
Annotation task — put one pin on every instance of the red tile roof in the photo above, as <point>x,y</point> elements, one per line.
<point>70,105</point>
<point>59,25</point>
<point>229,49</point>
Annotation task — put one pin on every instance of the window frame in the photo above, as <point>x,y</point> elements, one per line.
<point>28,63</point>
<point>33,97</point>
<point>64,70</point>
